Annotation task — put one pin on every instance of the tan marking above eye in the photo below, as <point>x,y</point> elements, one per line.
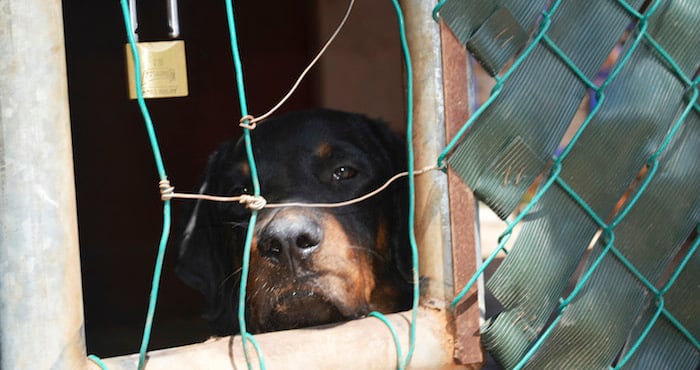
<point>382,239</point>
<point>245,168</point>
<point>324,150</point>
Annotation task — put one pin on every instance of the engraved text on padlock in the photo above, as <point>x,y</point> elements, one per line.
<point>163,69</point>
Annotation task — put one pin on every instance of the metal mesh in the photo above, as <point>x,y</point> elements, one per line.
<point>627,183</point>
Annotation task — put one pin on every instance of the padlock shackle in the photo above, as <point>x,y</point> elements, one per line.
<point>173,19</point>
<point>133,19</point>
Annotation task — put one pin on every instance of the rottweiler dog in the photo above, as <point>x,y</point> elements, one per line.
<point>308,266</point>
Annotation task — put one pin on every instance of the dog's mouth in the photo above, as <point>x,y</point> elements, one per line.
<point>306,272</point>
<point>298,309</point>
<point>302,309</point>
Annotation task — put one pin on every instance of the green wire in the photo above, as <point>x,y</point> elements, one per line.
<point>245,336</point>
<point>411,187</point>
<point>155,284</point>
<point>399,352</point>
<point>436,10</point>
<point>98,361</point>
<point>256,188</point>
<point>496,91</point>
<point>403,363</point>
<point>608,229</point>
<point>411,182</point>
<point>139,94</point>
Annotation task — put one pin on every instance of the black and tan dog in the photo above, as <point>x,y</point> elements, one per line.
<point>308,266</point>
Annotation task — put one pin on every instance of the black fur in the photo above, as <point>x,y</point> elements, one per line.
<point>211,235</point>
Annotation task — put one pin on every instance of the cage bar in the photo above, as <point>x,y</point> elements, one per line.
<point>330,346</point>
<point>360,344</point>
<point>41,316</point>
<point>41,320</point>
<point>457,79</point>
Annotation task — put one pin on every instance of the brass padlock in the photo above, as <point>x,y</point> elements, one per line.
<point>163,64</point>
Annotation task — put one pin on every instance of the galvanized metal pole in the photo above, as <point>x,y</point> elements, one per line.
<point>445,206</point>
<point>432,202</point>
<point>41,319</point>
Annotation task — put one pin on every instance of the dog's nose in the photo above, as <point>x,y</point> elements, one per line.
<point>289,240</point>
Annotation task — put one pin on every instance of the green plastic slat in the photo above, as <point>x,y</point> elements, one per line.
<point>494,31</point>
<point>526,12</point>
<point>529,280</point>
<point>538,100</point>
<point>465,17</point>
<point>497,40</point>
<point>643,99</point>
<point>665,346</point>
<point>509,169</point>
<point>631,111</point>
<point>600,167</point>
<point>595,326</point>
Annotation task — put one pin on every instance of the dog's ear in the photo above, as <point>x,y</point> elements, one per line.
<point>393,144</point>
<point>204,260</point>
<point>395,153</point>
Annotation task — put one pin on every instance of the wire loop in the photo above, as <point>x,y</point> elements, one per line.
<point>253,202</point>
<point>248,121</point>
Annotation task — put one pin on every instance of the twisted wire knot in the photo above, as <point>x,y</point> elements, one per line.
<point>166,190</point>
<point>253,202</point>
<point>249,118</point>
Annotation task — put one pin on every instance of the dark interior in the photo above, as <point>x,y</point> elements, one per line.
<point>119,209</point>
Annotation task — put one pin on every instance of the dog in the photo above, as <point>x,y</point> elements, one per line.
<point>308,266</point>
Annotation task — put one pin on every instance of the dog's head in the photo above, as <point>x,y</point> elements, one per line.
<point>308,266</point>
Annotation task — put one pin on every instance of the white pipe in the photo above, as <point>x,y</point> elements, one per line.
<point>361,344</point>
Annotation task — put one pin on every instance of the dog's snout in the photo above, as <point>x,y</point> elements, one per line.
<point>290,240</point>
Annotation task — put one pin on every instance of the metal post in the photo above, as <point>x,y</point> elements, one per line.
<point>445,206</point>
<point>458,78</point>
<point>41,319</point>
<point>432,202</point>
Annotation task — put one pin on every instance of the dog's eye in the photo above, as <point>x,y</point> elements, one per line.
<point>344,173</point>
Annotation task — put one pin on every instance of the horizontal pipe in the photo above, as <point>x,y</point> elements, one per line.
<point>361,344</point>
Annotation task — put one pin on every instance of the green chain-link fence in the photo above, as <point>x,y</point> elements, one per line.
<point>626,188</point>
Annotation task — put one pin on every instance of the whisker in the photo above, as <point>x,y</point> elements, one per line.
<point>236,223</point>
<point>231,275</point>
<point>371,252</point>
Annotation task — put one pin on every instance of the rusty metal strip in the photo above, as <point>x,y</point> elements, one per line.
<point>462,207</point>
